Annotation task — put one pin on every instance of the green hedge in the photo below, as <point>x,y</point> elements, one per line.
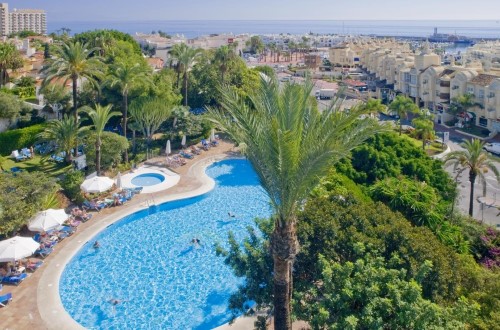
<point>19,138</point>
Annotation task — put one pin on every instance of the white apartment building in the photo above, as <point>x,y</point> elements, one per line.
<point>28,20</point>
<point>4,19</point>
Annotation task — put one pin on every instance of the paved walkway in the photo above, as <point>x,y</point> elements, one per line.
<point>35,301</point>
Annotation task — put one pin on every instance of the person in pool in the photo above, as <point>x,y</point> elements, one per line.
<point>230,214</point>
<point>196,241</point>
<point>96,245</point>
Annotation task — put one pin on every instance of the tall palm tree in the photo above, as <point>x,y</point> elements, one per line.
<point>291,146</point>
<point>477,161</point>
<point>175,54</point>
<point>184,57</point>
<point>125,76</point>
<point>402,105</point>
<point>73,61</point>
<point>100,116</point>
<point>10,58</point>
<point>64,133</point>
<point>223,55</point>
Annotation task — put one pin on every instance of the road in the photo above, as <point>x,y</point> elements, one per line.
<point>482,212</point>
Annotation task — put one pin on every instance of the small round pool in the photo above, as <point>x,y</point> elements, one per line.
<point>147,179</point>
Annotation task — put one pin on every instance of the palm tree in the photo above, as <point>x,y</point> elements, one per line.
<point>175,54</point>
<point>10,58</point>
<point>125,76</point>
<point>373,106</point>
<point>291,146</point>
<point>73,61</point>
<point>64,133</point>
<point>100,117</point>
<point>223,55</point>
<point>477,161</point>
<point>424,128</point>
<point>184,57</point>
<point>402,105</point>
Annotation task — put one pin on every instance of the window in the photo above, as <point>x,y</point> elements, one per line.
<point>491,95</point>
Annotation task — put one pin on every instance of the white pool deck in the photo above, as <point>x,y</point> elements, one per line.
<point>171,178</point>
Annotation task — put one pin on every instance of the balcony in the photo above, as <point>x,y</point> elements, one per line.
<point>444,84</point>
<point>444,96</point>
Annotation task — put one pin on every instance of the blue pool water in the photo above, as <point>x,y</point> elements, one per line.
<point>147,260</point>
<point>147,179</point>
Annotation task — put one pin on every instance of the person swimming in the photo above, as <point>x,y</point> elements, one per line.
<point>196,241</point>
<point>96,245</point>
<point>231,215</point>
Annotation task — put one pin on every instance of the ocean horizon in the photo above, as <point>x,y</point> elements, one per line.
<point>195,28</point>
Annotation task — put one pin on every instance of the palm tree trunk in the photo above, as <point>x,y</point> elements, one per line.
<point>75,108</point>
<point>98,155</point>
<point>133,141</point>
<point>185,88</point>
<point>400,126</point>
<point>124,122</point>
<point>284,246</point>
<point>423,144</point>
<point>472,179</point>
<point>178,69</point>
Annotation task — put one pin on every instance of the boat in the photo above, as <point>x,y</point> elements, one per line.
<point>445,37</point>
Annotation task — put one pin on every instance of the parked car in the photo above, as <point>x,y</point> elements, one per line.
<point>494,148</point>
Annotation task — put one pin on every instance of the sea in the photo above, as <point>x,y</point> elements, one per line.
<point>488,29</point>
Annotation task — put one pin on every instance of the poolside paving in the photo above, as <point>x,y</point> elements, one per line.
<point>23,312</point>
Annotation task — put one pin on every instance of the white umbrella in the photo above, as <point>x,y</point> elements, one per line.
<point>47,220</point>
<point>183,142</point>
<point>97,184</point>
<point>16,248</point>
<point>168,149</point>
<point>119,180</point>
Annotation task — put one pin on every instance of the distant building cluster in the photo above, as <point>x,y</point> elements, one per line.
<point>430,80</point>
<point>18,20</point>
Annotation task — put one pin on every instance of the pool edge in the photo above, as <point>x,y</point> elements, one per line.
<point>49,303</point>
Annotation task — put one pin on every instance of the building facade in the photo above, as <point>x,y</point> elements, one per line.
<point>4,19</point>
<point>28,20</point>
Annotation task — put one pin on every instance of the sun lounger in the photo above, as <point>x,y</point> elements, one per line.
<point>205,145</point>
<point>4,300</point>
<point>17,156</point>
<point>186,155</point>
<point>16,279</point>
<point>34,266</point>
<point>43,252</point>
<point>89,206</point>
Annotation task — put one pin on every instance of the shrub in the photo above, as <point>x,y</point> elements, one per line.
<point>112,148</point>
<point>71,185</point>
<point>19,138</point>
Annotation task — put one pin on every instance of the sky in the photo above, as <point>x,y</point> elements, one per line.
<point>123,10</point>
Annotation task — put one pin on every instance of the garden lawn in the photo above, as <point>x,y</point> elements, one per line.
<point>38,163</point>
<point>432,149</point>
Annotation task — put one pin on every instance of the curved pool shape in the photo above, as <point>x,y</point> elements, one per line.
<point>148,261</point>
<point>148,179</point>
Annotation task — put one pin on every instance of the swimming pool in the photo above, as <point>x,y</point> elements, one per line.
<point>148,179</point>
<point>147,260</point>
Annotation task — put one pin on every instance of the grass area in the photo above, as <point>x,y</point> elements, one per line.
<point>38,163</point>
<point>432,149</point>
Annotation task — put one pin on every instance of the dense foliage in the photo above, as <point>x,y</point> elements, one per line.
<point>71,185</point>
<point>21,196</point>
<point>10,106</point>
<point>359,259</point>
<point>387,155</point>
<point>19,138</point>
<point>112,148</point>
